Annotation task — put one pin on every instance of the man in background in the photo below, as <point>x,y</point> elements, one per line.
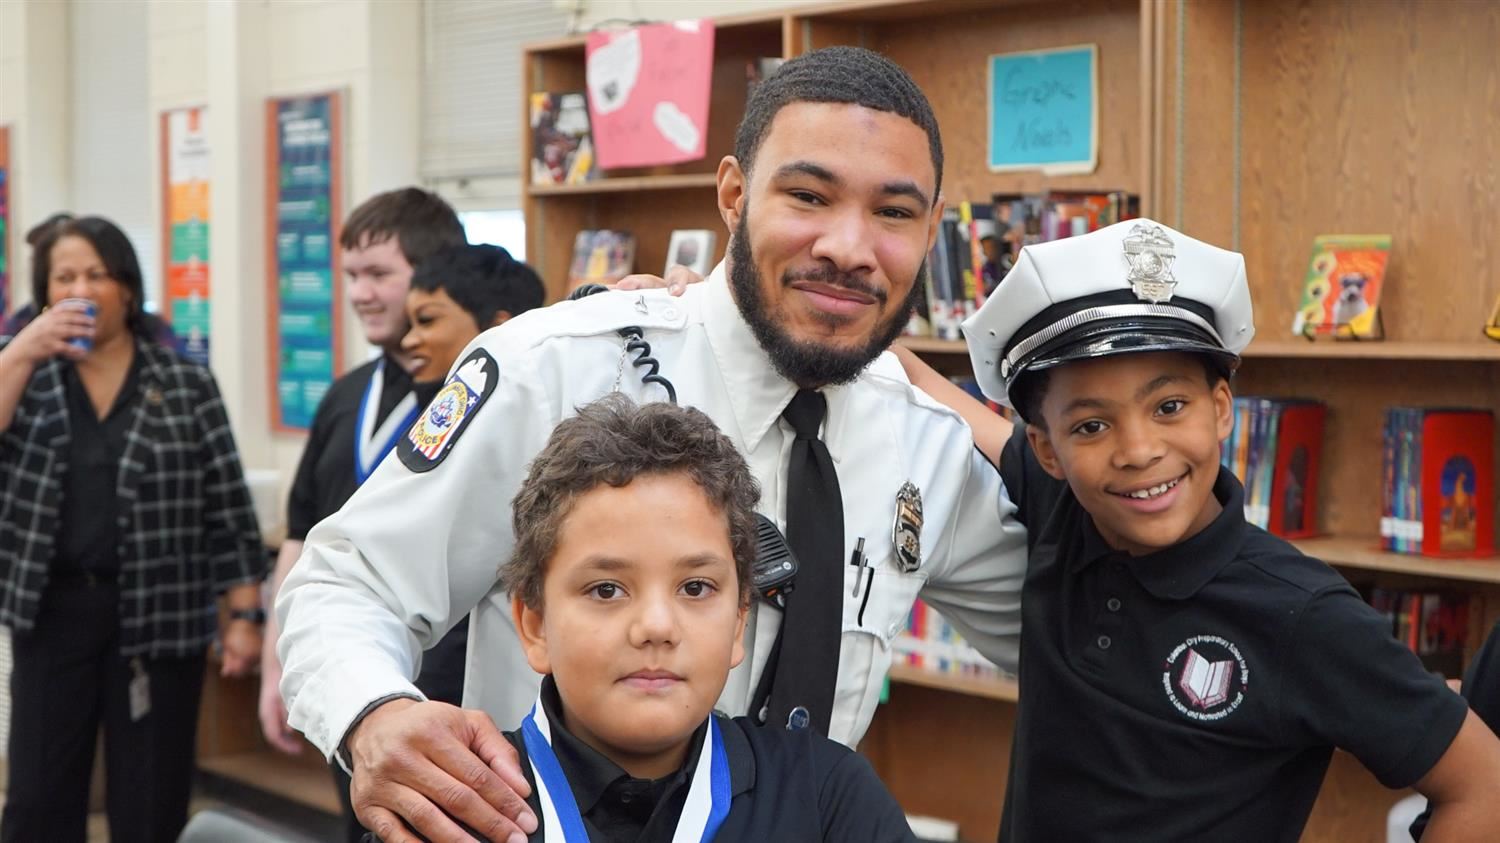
<point>364,411</point>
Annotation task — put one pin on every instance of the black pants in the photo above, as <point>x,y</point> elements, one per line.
<point>69,677</point>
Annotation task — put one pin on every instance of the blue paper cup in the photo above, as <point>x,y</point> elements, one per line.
<point>88,307</point>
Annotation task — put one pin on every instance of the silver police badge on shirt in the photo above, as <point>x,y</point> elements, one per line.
<point>906,533</point>
<point>1150,254</point>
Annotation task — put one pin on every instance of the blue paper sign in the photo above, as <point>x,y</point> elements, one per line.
<point>1044,110</point>
<point>305,164</point>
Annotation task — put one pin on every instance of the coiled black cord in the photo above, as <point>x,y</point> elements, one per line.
<point>634,341</point>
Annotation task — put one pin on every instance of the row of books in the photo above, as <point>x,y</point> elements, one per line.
<point>1434,624</point>
<point>1438,490</point>
<point>1275,449</point>
<point>978,244</point>
<point>604,256</point>
<point>931,643</point>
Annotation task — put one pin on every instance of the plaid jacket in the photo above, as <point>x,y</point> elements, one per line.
<point>187,528</point>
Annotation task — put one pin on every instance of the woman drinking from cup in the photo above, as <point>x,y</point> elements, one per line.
<point>123,515</point>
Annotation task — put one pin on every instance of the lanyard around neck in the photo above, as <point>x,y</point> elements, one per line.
<point>371,445</point>
<point>704,811</point>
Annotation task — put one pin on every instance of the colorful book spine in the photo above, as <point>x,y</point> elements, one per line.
<point>929,642</point>
<point>1432,624</point>
<point>1275,449</point>
<point>1438,473</point>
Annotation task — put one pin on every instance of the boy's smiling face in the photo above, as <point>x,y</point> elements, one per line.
<point>1137,438</point>
<point>641,619</point>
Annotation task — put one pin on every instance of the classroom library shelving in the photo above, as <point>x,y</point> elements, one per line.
<point>1256,124</point>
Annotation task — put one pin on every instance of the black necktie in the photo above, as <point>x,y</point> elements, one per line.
<point>808,664</point>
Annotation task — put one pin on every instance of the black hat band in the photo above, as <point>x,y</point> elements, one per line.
<point>1111,312</point>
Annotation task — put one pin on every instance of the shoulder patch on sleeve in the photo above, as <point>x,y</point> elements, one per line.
<point>440,424</point>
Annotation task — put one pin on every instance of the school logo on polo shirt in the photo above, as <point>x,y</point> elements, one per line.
<point>433,434</point>
<point>1206,677</point>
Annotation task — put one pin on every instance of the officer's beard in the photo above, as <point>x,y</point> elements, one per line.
<point>809,364</point>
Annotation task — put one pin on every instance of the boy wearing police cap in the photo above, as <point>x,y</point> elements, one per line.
<point>1184,672</point>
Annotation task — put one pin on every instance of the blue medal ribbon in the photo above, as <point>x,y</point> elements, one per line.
<point>704,811</point>
<point>371,446</point>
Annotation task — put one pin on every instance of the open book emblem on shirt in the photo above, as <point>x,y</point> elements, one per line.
<point>1205,683</point>
<point>1206,678</point>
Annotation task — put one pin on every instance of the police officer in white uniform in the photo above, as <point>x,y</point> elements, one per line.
<point>832,198</point>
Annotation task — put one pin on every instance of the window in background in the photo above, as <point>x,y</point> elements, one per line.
<point>505,228</point>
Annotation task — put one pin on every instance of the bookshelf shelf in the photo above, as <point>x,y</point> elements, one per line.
<point>933,345</point>
<point>1005,690</point>
<point>1302,349</point>
<point>1381,350</point>
<point>628,184</point>
<point>1364,553</point>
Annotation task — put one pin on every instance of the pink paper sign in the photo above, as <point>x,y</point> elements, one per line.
<point>648,93</point>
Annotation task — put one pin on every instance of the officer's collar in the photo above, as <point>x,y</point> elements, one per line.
<point>757,393</point>
<point>1180,571</point>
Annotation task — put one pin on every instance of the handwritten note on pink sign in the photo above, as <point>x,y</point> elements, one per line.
<point>648,93</point>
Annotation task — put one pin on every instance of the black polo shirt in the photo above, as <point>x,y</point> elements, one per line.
<point>1481,687</point>
<point>325,475</point>
<point>325,481</point>
<point>1199,690</point>
<point>89,526</point>
<point>785,786</point>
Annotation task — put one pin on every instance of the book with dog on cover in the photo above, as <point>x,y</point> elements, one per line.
<point>1341,293</point>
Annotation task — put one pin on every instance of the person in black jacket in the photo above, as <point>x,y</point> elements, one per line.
<point>630,582</point>
<point>124,514</point>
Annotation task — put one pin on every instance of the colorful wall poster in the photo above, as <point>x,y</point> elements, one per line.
<point>185,227</point>
<point>304,208</point>
<point>4,221</point>
<point>1044,110</point>
<point>648,93</point>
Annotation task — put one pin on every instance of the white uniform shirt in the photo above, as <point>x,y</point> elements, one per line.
<point>411,553</point>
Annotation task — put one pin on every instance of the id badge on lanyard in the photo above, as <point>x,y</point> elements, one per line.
<point>371,445</point>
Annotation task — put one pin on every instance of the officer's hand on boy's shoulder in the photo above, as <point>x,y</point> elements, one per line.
<point>677,279</point>
<point>426,767</point>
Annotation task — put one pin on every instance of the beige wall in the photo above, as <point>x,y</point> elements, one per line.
<point>229,56</point>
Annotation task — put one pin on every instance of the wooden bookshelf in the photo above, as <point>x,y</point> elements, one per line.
<point>627,184</point>
<point>1252,126</point>
<point>993,688</point>
<point>1363,553</point>
<point>1481,350</point>
<point>933,345</point>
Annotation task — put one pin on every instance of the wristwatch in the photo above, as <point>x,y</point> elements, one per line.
<point>256,616</point>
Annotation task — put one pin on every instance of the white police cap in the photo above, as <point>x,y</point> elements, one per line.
<point>1131,287</point>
